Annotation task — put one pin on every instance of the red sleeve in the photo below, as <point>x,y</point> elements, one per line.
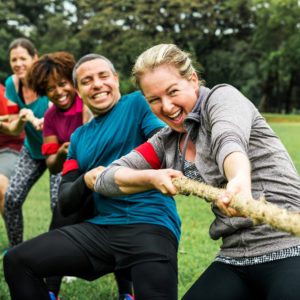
<point>13,109</point>
<point>50,148</point>
<point>3,104</point>
<point>70,165</point>
<point>148,152</point>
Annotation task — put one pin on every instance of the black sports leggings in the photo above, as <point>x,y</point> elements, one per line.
<point>268,281</point>
<point>53,253</point>
<point>58,220</point>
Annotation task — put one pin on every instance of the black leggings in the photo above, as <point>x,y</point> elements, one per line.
<point>53,253</point>
<point>58,220</point>
<point>268,281</point>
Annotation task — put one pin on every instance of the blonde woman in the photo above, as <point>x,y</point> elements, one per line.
<point>215,136</point>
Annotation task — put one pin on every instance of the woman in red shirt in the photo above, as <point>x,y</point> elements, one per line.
<point>9,145</point>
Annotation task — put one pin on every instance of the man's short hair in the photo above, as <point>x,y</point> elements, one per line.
<point>89,57</point>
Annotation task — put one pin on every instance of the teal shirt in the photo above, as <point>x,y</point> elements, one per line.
<point>34,139</point>
<point>110,136</point>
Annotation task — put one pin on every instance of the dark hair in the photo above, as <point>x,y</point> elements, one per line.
<point>56,65</point>
<point>89,57</point>
<point>24,43</point>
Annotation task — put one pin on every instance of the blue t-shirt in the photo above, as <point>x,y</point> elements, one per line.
<point>107,138</point>
<point>34,139</point>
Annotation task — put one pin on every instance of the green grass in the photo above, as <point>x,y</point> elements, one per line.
<point>280,118</point>
<point>196,249</point>
<point>289,135</point>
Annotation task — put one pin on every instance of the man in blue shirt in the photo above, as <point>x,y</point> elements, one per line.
<point>135,235</point>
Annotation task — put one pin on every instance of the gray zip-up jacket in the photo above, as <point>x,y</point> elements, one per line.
<point>224,121</point>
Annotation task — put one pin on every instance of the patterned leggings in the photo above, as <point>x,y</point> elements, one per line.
<point>27,172</point>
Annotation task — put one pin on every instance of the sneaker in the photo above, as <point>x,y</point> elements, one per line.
<point>52,296</point>
<point>126,297</point>
<point>69,279</point>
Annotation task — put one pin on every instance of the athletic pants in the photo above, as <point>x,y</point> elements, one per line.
<point>27,172</point>
<point>54,253</point>
<point>277,280</point>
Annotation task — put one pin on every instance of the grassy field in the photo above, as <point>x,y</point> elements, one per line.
<point>196,249</point>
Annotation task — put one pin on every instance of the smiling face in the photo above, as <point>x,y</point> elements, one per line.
<point>61,92</point>
<point>20,61</point>
<point>98,86</point>
<point>171,97</point>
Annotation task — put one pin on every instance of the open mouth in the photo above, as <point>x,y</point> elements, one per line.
<point>62,99</point>
<point>100,96</point>
<point>176,116</point>
<point>20,72</point>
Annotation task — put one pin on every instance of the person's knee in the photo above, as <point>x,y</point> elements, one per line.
<point>3,187</point>
<point>4,181</point>
<point>12,201</point>
<point>11,264</point>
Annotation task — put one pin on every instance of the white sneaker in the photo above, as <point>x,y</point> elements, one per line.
<point>69,279</point>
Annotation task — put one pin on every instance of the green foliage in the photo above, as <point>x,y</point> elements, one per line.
<point>276,42</point>
<point>252,44</point>
<point>57,30</point>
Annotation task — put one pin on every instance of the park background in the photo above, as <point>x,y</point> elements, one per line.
<point>253,45</point>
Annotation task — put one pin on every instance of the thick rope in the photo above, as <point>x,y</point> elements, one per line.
<point>260,211</point>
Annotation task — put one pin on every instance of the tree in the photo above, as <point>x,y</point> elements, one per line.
<point>276,43</point>
<point>252,44</point>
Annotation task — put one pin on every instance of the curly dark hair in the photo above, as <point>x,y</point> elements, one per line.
<point>53,65</point>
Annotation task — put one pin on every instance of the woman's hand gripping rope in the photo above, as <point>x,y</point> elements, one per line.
<point>260,211</point>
